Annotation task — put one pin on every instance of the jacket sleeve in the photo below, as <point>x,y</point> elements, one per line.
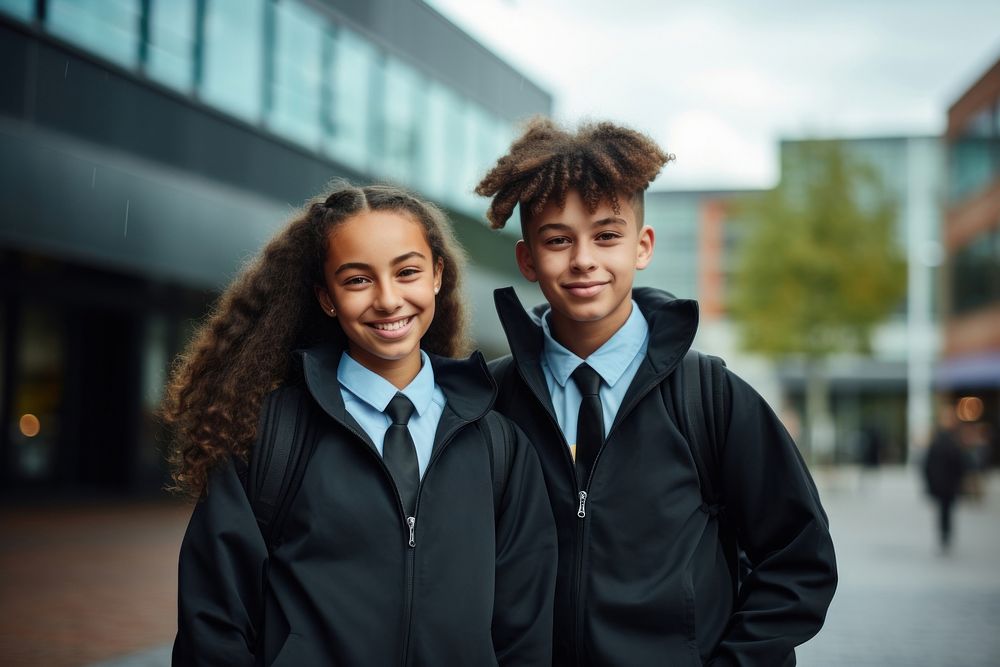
<point>525,564</point>
<point>780,524</point>
<point>220,578</point>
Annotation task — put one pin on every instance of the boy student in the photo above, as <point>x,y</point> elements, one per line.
<point>646,574</point>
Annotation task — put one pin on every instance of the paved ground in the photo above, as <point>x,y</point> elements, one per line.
<point>96,585</point>
<point>86,583</point>
<point>900,601</point>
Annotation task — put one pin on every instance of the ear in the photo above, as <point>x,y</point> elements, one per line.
<point>323,296</point>
<point>644,251</point>
<point>525,262</point>
<point>438,274</point>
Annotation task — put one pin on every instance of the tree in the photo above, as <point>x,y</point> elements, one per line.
<point>818,270</point>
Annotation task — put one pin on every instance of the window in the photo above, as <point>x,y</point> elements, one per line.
<point>401,105</point>
<point>976,273</point>
<point>432,173</point>
<point>36,400</point>
<point>170,55</point>
<point>974,162</point>
<point>21,9</point>
<point>974,158</point>
<point>296,90</point>
<point>109,28</point>
<point>353,71</point>
<point>233,56</point>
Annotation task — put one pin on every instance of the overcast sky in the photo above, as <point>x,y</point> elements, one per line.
<point>719,82</point>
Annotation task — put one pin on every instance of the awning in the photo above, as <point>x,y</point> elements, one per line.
<point>974,371</point>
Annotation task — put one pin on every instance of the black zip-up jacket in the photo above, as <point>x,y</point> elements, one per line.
<point>643,579</point>
<point>350,583</point>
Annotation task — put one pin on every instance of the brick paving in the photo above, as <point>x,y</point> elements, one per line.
<point>83,584</point>
<point>96,586</point>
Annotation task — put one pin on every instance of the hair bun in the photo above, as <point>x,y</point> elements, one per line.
<point>345,196</point>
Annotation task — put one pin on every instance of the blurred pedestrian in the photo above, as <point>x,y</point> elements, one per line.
<point>418,530</point>
<point>872,446</point>
<point>944,468</point>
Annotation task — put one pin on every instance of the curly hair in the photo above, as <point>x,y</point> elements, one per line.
<point>243,349</point>
<point>600,161</point>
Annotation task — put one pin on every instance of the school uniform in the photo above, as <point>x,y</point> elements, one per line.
<point>643,578</point>
<point>356,579</point>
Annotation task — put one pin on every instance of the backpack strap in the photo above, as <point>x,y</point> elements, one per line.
<point>704,416</point>
<point>499,438</point>
<point>695,419</point>
<point>278,460</point>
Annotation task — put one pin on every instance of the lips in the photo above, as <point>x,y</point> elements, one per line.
<point>392,329</point>
<point>585,289</point>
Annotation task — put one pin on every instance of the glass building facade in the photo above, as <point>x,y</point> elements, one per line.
<point>290,67</point>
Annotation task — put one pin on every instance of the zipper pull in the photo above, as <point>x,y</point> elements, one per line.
<point>411,521</point>
<point>582,512</point>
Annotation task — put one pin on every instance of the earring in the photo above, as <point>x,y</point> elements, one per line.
<point>437,289</point>
<point>333,311</point>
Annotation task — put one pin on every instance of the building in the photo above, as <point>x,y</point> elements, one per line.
<point>969,372</point>
<point>149,147</point>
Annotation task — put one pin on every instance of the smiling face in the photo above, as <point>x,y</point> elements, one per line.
<point>585,264</point>
<point>380,283</point>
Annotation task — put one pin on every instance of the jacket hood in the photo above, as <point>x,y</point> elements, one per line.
<point>672,324</point>
<point>467,384</point>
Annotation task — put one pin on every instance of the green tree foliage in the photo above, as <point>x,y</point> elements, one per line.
<point>819,267</point>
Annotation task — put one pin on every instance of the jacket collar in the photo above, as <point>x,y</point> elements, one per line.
<point>466,383</point>
<point>672,325</point>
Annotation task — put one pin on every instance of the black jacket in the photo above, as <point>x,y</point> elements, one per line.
<point>944,466</point>
<point>343,586</point>
<point>642,577</point>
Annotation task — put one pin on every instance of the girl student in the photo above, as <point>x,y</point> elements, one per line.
<point>394,549</point>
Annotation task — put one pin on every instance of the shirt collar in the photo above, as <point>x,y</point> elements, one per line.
<point>610,360</point>
<point>376,391</point>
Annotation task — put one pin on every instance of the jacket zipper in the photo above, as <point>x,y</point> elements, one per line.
<point>411,542</point>
<point>411,522</point>
<point>581,512</point>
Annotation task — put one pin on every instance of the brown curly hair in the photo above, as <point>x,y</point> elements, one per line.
<point>243,349</point>
<point>599,160</point>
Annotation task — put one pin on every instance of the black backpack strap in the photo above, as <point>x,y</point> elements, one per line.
<point>698,418</point>
<point>278,460</point>
<point>705,410</point>
<point>499,438</point>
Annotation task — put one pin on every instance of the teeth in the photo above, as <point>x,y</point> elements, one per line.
<point>392,326</point>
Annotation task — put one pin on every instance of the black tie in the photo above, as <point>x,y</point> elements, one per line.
<point>590,423</point>
<point>399,453</point>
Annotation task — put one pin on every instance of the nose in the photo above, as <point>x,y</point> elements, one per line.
<point>388,298</point>
<point>583,258</point>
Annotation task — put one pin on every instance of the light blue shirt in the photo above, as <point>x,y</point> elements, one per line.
<point>366,395</point>
<point>617,362</point>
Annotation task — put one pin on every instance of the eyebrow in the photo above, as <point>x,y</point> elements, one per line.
<point>561,226</point>
<point>361,266</point>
